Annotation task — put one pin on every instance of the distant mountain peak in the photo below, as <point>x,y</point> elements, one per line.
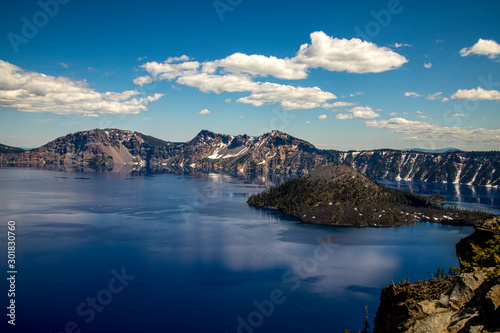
<point>434,151</point>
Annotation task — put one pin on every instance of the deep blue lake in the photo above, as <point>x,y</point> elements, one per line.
<point>169,253</point>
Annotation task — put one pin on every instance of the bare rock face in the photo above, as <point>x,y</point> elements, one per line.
<point>468,303</point>
<point>493,303</point>
<point>465,287</point>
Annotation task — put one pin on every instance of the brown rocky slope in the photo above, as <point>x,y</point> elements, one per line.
<point>467,302</point>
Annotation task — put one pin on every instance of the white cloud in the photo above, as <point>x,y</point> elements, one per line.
<point>205,111</point>
<point>412,94</point>
<point>359,112</point>
<point>458,115</point>
<point>353,56</point>
<point>289,97</point>
<point>398,45</point>
<point>477,94</point>
<point>182,58</point>
<point>322,117</point>
<point>343,116</point>
<point>141,58</point>
<point>142,80</point>
<point>363,112</point>
<point>422,131</point>
<point>91,69</point>
<point>218,83</point>
<point>337,104</point>
<point>167,70</point>
<point>308,122</point>
<point>393,114</point>
<point>424,117</point>
<point>435,96</point>
<point>66,66</point>
<point>420,112</point>
<point>485,47</point>
<point>358,93</point>
<point>36,92</point>
<point>260,65</point>
<point>428,65</point>
<point>227,100</point>
<point>261,93</point>
<point>445,99</point>
<point>236,72</point>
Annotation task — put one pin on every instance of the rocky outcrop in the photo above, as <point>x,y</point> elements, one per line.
<point>464,303</point>
<point>468,302</point>
<point>273,152</point>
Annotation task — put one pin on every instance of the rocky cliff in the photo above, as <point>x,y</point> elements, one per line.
<point>468,302</point>
<point>273,152</point>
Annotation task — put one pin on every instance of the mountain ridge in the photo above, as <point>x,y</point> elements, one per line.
<point>273,152</point>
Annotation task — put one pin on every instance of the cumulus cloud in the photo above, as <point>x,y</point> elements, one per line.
<point>435,96</point>
<point>261,93</point>
<point>260,65</point>
<point>36,92</point>
<point>167,70</point>
<point>177,59</point>
<point>322,117</point>
<point>289,97</point>
<point>359,112</point>
<point>423,131</point>
<point>218,83</point>
<point>344,116</point>
<point>428,65</point>
<point>236,73</point>
<point>445,99</point>
<point>363,112</point>
<point>353,56</point>
<point>412,94</point>
<point>205,111</point>
<point>484,47</point>
<point>337,105</point>
<point>477,94</point>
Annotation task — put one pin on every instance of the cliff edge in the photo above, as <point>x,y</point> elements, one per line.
<point>467,302</point>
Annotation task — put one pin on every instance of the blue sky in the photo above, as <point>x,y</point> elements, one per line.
<point>341,75</point>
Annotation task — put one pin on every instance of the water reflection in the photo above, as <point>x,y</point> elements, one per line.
<point>457,195</point>
<point>201,255</point>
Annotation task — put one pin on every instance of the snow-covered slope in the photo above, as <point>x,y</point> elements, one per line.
<point>273,152</point>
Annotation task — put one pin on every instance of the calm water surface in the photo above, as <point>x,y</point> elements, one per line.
<point>168,253</point>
